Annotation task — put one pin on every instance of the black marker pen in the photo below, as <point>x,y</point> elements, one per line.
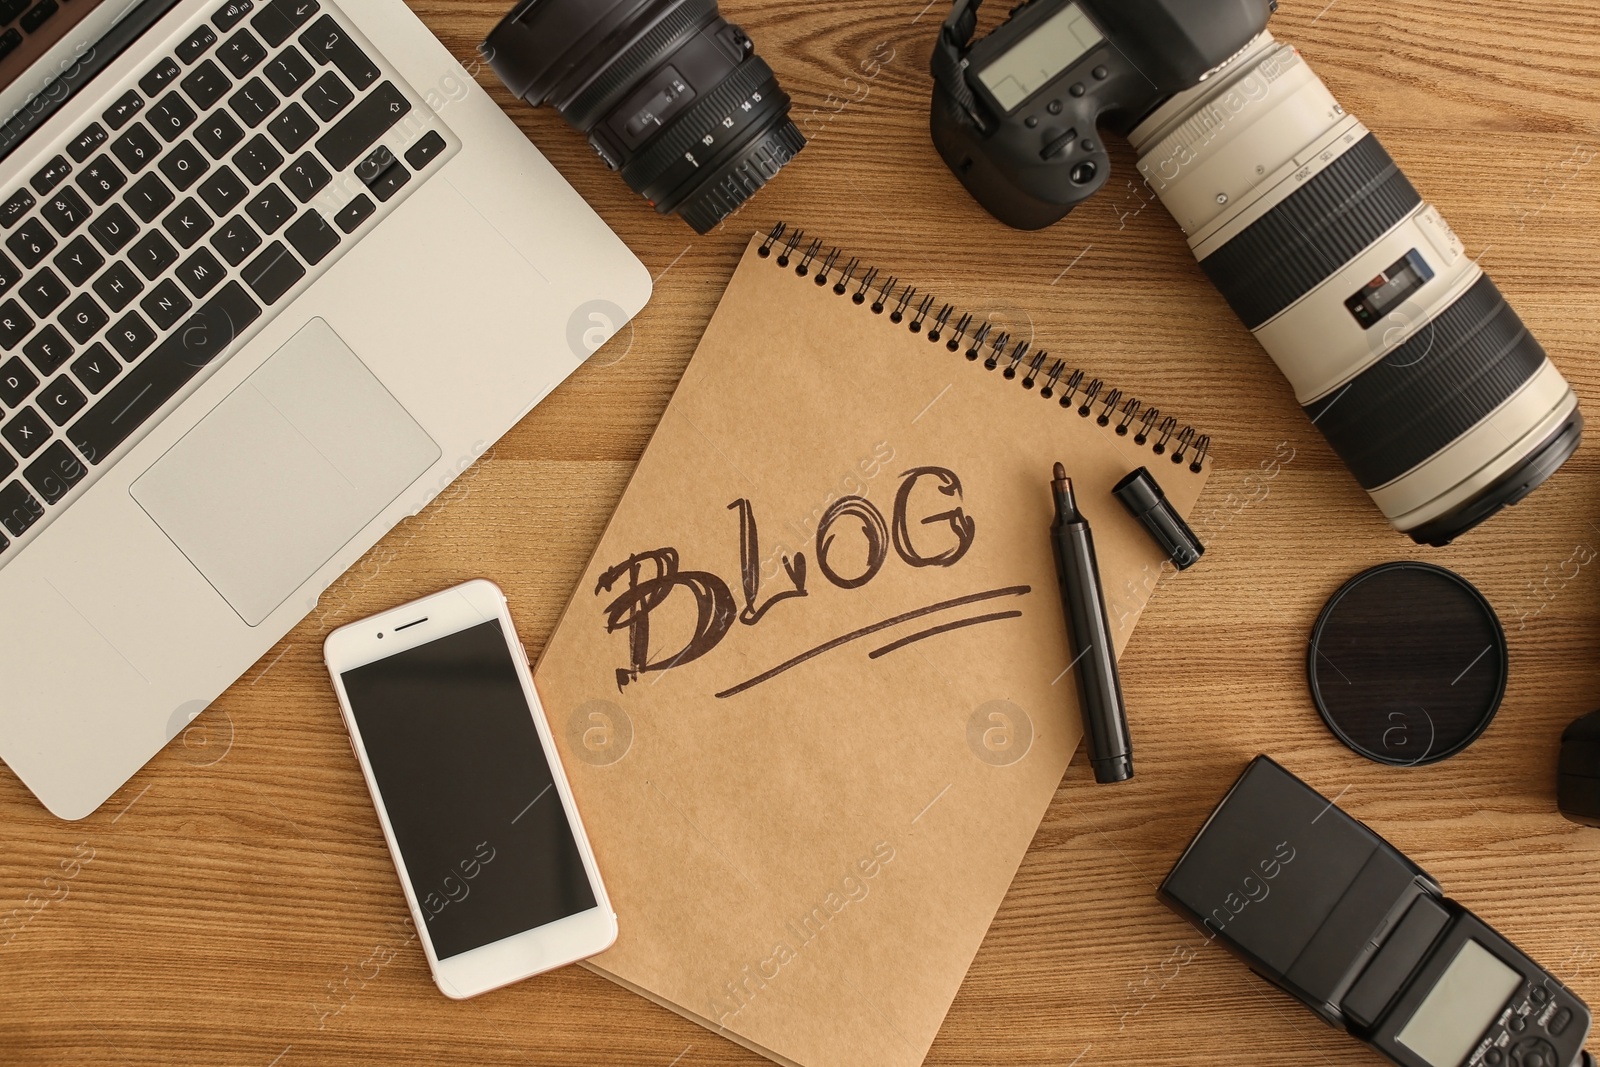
<point>1105,719</point>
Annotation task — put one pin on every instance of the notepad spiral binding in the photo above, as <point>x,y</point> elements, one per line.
<point>1076,390</point>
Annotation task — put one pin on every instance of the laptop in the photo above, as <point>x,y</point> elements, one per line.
<point>271,276</point>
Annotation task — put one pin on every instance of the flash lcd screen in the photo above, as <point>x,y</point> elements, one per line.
<point>1039,59</point>
<point>1472,991</point>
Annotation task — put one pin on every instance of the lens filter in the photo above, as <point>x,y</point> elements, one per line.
<point>1407,664</point>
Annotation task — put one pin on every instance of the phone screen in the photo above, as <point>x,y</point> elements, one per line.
<point>468,790</point>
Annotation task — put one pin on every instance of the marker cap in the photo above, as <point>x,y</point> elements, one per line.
<point>1142,496</point>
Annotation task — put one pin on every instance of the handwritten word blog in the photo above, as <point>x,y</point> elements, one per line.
<point>645,581</point>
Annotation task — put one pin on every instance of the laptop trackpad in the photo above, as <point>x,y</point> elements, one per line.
<point>285,471</point>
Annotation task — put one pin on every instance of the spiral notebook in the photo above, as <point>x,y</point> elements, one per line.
<point>813,691</point>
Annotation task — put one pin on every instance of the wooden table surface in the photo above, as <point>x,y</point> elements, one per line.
<point>234,902</point>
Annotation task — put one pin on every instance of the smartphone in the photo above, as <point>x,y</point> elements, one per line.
<point>457,753</point>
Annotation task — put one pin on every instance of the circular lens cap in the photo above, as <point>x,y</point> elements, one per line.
<point>1407,664</point>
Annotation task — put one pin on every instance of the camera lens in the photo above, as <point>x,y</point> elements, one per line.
<point>1400,349</point>
<point>668,92</point>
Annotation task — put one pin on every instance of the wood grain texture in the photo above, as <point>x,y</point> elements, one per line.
<point>239,906</point>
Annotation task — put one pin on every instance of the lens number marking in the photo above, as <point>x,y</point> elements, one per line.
<point>710,139</point>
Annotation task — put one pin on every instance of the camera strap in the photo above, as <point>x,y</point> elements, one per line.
<point>949,62</point>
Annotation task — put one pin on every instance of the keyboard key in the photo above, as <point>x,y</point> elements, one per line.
<point>148,387</point>
<point>355,213</point>
<point>130,337</point>
<point>241,52</point>
<point>188,222</point>
<point>9,274</point>
<point>27,432</point>
<point>10,41</point>
<point>195,47</point>
<point>17,382</point>
<point>426,150</point>
<point>118,114</point>
<point>16,208</point>
<point>369,170</point>
<point>65,211</point>
<point>11,10</point>
<point>273,272</point>
<point>326,41</point>
<point>60,400</point>
<point>57,470</point>
<point>96,368</point>
<point>279,19</point>
<point>231,13</point>
<point>222,191</point>
<point>114,228</point>
<point>83,145</point>
<point>166,304</point>
<point>184,165</point>
<point>236,240</point>
<point>149,197</point>
<point>290,71</point>
<point>253,102</point>
<point>152,254</point>
<point>8,467</point>
<point>53,174</point>
<point>32,242</point>
<point>305,177</point>
<point>18,509</point>
<point>312,237</point>
<point>38,15</point>
<point>164,74</point>
<point>329,96</point>
<point>200,273</point>
<point>170,117</point>
<point>83,318</point>
<point>257,160</point>
<point>137,148</point>
<point>47,350</point>
<point>14,325</point>
<point>118,286</point>
<point>363,125</point>
<point>101,179</point>
<point>218,133</point>
<point>270,209</point>
<point>206,84</point>
<point>390,182</point>
<point>45,292</point>
<point>292,128</point>
<point>79,260</point>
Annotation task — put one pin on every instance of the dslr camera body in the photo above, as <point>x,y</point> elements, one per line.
<point>1399,348</point>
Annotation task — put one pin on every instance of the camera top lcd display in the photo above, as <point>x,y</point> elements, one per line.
<point>1039,58</point>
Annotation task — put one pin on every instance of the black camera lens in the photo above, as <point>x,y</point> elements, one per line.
<point>668,92</point>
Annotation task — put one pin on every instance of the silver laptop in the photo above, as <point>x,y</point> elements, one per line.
<point>271,275</point>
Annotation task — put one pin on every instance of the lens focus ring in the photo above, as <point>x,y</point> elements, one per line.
<point>590,105</point>
<point>1428,392</point>
<point>686,132</point>
<point>757,165</point>
<point>1313,234</point>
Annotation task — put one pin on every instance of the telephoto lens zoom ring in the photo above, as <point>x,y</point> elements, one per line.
<point>759,164</point>
<point>684,133</point>
<point>1312,235</point>
<point>590,105</point>
<point>1425,394</point>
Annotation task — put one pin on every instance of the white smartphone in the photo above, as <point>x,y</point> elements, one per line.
<point>458,756</point>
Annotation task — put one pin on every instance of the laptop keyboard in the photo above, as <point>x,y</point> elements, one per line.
<point>211,190</point>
